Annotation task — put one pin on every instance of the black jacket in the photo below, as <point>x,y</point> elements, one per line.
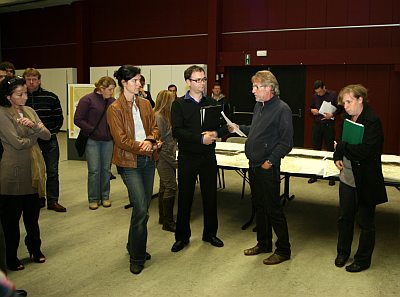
<point>187,128</point>
<point>366,159</point>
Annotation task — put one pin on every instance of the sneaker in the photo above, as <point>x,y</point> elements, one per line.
<point>106,203</point>
<point>93,205</point>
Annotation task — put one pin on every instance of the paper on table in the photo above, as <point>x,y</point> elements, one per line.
<point>327,107</point>
<point>229,122</point>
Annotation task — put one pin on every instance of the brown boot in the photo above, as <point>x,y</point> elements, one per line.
<point>169,224</point>
<point>160,208</point>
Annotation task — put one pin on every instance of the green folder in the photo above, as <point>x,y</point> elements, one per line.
<point>352,132</point>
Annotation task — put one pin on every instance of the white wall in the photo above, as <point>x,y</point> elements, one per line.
<point>158,77</point>
<point>56,80</point>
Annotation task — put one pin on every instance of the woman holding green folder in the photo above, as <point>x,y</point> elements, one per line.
<point>361,180</point>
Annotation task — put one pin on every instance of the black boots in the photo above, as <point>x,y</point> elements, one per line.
<point>166,212</point>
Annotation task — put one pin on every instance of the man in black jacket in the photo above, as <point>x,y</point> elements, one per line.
<point>270,138</point>
<point>48,107</point>
<point>196,133</point>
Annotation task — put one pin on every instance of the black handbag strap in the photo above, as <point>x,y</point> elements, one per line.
<point>95,127</point>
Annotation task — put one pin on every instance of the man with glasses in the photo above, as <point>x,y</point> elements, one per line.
<point>196,158</point>
<point>270,138</point>
<point>48,107</point>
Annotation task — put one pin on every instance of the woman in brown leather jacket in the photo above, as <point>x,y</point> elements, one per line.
<point>134,130</point>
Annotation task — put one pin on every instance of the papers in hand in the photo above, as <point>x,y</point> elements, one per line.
<point>236,129</point>
<point>327,107</point>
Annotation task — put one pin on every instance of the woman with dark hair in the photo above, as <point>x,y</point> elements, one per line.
<point>134,130</point>
<point>167,164</point>
<point>22,171</point>
<point>361,180</point>
<point>90,117</point>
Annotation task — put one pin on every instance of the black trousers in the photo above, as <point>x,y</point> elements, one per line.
<point>265,188</point>
<point>350,207</point>
<point>189,167</point>
<point>323,132</point>
<point>12,207</point>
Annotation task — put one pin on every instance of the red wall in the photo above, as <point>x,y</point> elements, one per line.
<point>97,33</point>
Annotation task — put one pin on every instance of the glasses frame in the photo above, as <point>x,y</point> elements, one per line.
<point>199,80</point>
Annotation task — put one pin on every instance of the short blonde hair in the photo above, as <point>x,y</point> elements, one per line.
<point>357,90</point>
<point>105,82</point>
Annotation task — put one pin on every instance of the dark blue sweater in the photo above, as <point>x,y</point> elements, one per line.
<point>270,135</point>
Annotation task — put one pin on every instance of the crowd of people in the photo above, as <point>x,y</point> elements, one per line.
<point>139,136</point>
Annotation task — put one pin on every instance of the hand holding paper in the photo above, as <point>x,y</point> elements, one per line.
<point>232,127</point>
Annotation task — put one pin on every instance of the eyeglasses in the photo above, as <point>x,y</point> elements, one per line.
<point>258,87</point>
<point>199,80</point>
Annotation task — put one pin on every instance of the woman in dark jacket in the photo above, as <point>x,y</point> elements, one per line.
<point>90,110</point>
<point>361,180</point>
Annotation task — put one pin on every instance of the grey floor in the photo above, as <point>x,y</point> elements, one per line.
<point>86,253</point>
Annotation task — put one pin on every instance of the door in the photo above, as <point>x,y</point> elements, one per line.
<point>292,87</point>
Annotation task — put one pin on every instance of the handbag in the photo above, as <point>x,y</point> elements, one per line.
<point>81,140</point>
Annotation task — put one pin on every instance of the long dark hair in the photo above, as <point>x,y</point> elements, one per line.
<point>7,87</point>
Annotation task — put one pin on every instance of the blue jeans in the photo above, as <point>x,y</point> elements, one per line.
<point>98,156</point>
<point>51,156</point>
<point>139,182</point>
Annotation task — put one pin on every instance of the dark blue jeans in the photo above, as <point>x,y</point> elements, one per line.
<point>51,155</point>
<point>349,206</point>
<point>139,182</point>
<point>265,188</point>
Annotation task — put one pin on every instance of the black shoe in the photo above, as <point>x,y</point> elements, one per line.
<point>331,182</point>
<point>136,268</point>
<point>214,240</point>
<point>112,176</point>
<point>21,293</point>
<point>341,260</point>
<point>178,245</point>
<point>312,180</point>
<point>354,267</point>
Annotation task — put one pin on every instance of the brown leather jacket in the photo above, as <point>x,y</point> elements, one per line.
<point>122,128</point>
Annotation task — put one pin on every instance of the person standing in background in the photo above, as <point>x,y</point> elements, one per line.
<point>145,94</point>
<point>221,99</point>
<point>99,148</point>
<point>7,69</point>
<point>166,164</point>
<point>324,125</point>
<point>48,107</point>
<point>174,89</point>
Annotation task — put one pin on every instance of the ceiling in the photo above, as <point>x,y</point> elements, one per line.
<point>18,5</point>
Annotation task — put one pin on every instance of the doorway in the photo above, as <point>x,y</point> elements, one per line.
<point>292,85</point>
